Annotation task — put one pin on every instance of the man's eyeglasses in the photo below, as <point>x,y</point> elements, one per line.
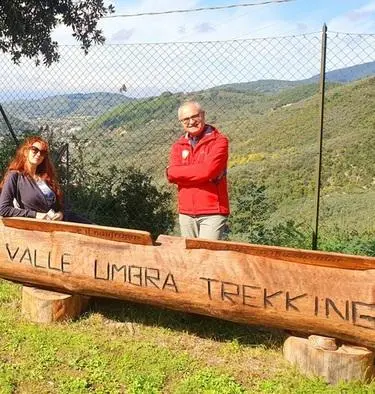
<point>35,151</point>
<point>189,118</point>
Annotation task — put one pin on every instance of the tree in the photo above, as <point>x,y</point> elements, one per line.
<point>112,196</point>
<point>7,150</point>
<point>250,208</point>
<point>26,26</point>
<point>125,198</point>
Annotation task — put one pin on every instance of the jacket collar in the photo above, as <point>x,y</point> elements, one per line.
<point>206,135</point>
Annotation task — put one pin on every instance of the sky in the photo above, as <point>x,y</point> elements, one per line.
<point>269,41</point>
<point>269,20</point>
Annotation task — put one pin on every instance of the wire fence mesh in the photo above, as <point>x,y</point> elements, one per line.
<point>347,168</point>
<point>113,113</point>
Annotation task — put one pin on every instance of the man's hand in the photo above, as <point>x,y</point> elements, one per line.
<point>219,177</point>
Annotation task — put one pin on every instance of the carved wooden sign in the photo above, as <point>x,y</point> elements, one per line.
<point>313,292</point>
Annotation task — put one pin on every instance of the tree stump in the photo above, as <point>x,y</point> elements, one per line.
<point>44,306</point>
<point>320,356</point>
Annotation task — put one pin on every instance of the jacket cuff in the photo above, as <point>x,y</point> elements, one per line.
<point>32,214</point>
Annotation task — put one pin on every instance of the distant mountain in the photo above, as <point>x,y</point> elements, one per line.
<point>260,86</point>
<point>347,74</point>
<point>78,104</point>
<point>341,75</point>
<point>112,111</point>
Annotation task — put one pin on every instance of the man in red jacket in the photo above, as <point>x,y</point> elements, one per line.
<point>198,165</point>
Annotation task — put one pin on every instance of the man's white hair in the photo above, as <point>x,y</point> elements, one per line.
<point>186,103</point>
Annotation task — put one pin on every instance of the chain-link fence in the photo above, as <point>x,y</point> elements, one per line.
<point>115,112</point>
<point>348,141</point>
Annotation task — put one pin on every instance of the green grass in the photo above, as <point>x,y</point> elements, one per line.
<point>120,347</point>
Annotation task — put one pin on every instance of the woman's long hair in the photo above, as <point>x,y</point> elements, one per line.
<point>45,169</point>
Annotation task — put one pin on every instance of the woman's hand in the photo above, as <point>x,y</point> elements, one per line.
<point>50,215</point>
<point>58,216</point>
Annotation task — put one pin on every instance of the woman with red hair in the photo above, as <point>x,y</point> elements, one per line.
<point>30,188</point>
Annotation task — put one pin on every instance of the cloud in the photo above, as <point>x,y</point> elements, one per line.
<point>302,27</point>
<point>204,28</point>
<point>359,20</point>
<point>362,14</point>
<point>192,26</point>
<point>122,35</point>
<point>235,23</point>
<point>356,15</point>
<point>181,30</point>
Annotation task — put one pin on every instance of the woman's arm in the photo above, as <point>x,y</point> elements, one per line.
<point>8,194</point>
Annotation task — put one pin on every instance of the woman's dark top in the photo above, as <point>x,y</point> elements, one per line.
<point>28,195</point>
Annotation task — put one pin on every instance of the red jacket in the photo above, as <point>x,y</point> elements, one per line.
<point>200,174</point>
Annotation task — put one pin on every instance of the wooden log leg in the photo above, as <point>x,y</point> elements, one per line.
<point>43,306</point>
<point>320,356</point>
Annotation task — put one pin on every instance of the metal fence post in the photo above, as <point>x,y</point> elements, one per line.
<point>10,128</point>
<point>314,244</point>
<point>67,185</point>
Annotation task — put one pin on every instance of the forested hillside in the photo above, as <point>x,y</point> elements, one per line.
<point>274,148</point>
<point>280,152</point>
<point>77,104</point>
<point>272,137</point>
<point>272,165</point>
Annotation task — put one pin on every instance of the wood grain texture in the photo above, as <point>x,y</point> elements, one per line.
<point>335,299</point>
<point>344,364</point>
<point>43,306</point>
<point>109,233</point>
<point>309,257</point>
